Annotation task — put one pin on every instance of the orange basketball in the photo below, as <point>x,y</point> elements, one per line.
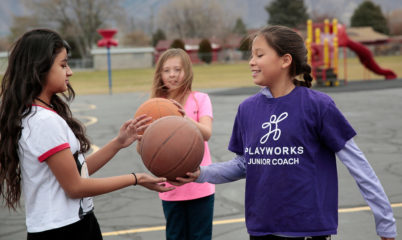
<point>157,108</point>
<point>172,146</point>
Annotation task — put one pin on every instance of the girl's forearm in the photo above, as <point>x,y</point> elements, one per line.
<point>223,172</point>
<point>88,187</point>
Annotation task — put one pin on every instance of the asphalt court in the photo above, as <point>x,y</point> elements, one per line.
<point>373,108</point>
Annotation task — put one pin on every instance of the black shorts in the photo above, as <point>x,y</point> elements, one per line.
<point>86,228</point>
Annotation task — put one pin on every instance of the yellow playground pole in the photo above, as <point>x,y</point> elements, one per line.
<point>326,53</point>
<point>317,36</point>
<point>336,55</point>
<point>309,54</point>
<point>335,27</point>
<point>326,26</point>
<point>310,30</point>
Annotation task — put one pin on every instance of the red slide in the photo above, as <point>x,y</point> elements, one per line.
<point>364,54</point>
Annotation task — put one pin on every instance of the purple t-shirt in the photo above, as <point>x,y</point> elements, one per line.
<point>289,144</point>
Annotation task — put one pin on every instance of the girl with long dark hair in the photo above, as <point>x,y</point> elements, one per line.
<point>42,145</point>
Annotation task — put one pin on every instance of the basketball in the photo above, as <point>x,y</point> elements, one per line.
<point>157,108</point>
<point>172,146</point>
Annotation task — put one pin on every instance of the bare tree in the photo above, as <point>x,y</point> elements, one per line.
<point>194,19</point>
<point>77,19</point>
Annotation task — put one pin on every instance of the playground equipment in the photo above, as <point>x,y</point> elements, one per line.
<point>323,52</point>
<point>108,41</point>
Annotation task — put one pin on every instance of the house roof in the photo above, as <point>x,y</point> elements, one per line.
<point>189,44</point>
<point>366,35</point>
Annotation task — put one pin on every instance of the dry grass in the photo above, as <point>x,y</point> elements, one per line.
<point>216,75</point>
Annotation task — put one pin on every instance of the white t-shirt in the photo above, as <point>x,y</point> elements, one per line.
<point>47,205</point>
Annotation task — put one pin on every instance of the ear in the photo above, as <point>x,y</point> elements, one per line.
<point>286,60</point>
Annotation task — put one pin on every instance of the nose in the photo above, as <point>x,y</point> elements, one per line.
<point>172,73</point>
<point>69,71</point>
<point>251,62</point>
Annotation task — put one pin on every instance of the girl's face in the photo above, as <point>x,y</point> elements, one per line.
<point>172,73</point>
<point>57,78</point>
<point>266,65</point>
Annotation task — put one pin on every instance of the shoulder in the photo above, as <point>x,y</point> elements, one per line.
<point>200,95</point>
<point>316,98</point>
<point>201,98</point>
<point>250,101</point>
<point>45,118</point>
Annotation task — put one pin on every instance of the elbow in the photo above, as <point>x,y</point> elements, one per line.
<point>207,135</point>
<point>73,193</point>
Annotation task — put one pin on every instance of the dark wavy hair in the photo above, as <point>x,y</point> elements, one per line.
<point>286,41</point>
<point>29,62</point>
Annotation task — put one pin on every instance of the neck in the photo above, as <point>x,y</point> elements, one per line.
<point>44,97</point>
<point>281,88</point>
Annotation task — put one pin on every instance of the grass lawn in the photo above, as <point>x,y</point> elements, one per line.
<point>217,75</point>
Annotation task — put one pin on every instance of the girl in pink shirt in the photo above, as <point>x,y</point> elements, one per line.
<point>189,208</point>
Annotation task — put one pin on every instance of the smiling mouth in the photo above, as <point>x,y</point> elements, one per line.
<point>255,72</point>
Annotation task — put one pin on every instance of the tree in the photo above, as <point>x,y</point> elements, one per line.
<point>205,51</point>
<point>178,43</point>
<point>240,27</point>
<point>291,13</point>
<point>157,36</point>
<point>21,24</point>
<point>194,19</point>
<point>367,14</point>
<point>245,47</point>
<point>76,19</point>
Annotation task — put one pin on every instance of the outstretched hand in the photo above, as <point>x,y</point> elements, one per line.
<point>129,130</point>
<point>152,183</point>
<point>191,177</point>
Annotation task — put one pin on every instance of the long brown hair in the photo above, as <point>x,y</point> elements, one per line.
<point>29,62</point>
<point>159,89</point>
<point>286,41</point>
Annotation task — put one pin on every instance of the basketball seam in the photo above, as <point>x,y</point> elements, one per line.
<point>163,143</point>
<point>181,162</point>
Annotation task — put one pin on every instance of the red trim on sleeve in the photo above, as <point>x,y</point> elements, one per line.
<point>52,151</point>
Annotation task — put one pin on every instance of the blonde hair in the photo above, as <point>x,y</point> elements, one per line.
<point>159,89</point>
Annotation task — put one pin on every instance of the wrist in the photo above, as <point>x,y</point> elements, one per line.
<point>116,144</point>
<point>135,179</point>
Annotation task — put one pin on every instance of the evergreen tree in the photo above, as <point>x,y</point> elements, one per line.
<point>157,36</point>
<point>369,14</point>
<point>290,13</point>
<point>240,27</point>
<point>178,43</point>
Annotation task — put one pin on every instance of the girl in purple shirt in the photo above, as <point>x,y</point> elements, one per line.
<point>286,139</point>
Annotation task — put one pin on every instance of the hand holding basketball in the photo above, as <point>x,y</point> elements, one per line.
<point>153,183</point>
<point>191,177</point>
<point>129,130</point>
<point>181,109</point>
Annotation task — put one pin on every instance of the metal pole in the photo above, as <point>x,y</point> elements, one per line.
<point>109,69</point>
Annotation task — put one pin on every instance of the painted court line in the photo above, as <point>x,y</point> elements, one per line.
<point>228,221</point>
